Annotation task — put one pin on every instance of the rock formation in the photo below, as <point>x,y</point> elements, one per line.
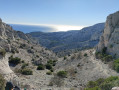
<point>110,37</point>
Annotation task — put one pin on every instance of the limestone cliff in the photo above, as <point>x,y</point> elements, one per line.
<point>110,37</point>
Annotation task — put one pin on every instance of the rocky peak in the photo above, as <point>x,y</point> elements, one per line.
<point>110,37</point>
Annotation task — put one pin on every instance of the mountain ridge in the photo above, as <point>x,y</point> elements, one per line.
<point>61,41</point>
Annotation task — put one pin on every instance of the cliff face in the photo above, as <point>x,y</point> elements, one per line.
<point>110,37</point>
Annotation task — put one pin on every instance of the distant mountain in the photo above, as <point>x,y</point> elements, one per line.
<point>31,28</point>
<point>59,41</point>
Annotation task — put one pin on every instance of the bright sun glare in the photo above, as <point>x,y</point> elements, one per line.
<point>62,27</point>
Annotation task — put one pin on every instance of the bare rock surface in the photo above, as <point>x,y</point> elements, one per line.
<point>110,37</point>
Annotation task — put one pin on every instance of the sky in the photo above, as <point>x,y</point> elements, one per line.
<point>61,14</point>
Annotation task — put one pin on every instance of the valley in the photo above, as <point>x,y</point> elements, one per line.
<point>31,61</point>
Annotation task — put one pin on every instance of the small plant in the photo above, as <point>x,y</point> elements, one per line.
<point>65,57</point>
<point>116,65</point>
<point>41,67</point>
<point>62,74</point>
<point>24,65</point>
<point>85,55</point>
<point>52,62</point>
<point>32,47</point>
<point>52,70</point>
<point>78,65</point>
<point>27,71</point>
<point>48,66</point>
<point>49,73</point>
<point>107,58</point>
<point>2,52</point>
<point>37,56</point>
<point>15,60</point>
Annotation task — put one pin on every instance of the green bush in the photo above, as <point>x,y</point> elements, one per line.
<point>52,62</point>
<point>94,88</point>
<point>48,66</point>
<point>2,52</point>
<point>41,67</point>
<point>103,84</point>
<point>116,65</point>
<point>24,65</point>
<point>85,55</point>
<point>27,71</point>
<point>62,74</point>
<point>15,60</point>
<point>49,73</point>
<point>92,84</point>
<point>65,57</point>
<point>2,82</point>
<point>107,58</point>
<point>104,50</point>
<point>106,86</point>
<point>52,70</point>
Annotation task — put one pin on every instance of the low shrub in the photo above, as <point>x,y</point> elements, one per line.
<point>15,60</point>
<point>107,58</point>
<point>41,67</point>
<point>65,57</point>
<point>2,52</point>
<point>24,65</point>
<point>49,73</point>
<point>27,71</point>
<point>94,88</point>
<point>48,66</point>
<point>62,74</point>
<point>103,84</point>
<point>116,65</point>
<point>85,55</point>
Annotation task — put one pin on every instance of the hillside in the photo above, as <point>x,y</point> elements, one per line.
<point>27,64</point>
<point>61,41</point>
<point>19,52</point>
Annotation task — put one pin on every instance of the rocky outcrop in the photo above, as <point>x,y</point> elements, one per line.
<point>110,37</point>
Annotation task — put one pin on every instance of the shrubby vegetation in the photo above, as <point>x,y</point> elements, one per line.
<point>62,74</point>
<point>103,56</point>
<point>49,73</point>
<point>48,66</point>
<point>2,52</point>
<point>2,82</point>
<point>15,60</point>
<point>103,84</point>
<point>27,71</point>
<point>24,65</point>
<point>85,55</point>
<point>116,65</point>
<point>40,67</point>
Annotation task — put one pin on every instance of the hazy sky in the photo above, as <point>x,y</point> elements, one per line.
<point>71,13</point>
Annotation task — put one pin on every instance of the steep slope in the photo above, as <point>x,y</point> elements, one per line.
<point>81,67</point>
<point>17,44</point>
<point>59,41</point>
<point>110,37</point>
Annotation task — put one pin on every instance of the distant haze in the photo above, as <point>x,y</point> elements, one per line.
<point>44,28</point>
